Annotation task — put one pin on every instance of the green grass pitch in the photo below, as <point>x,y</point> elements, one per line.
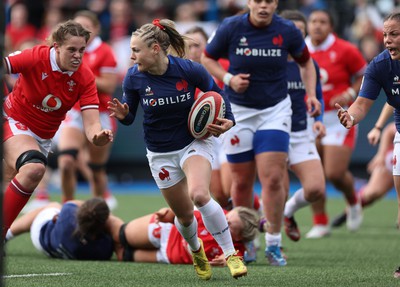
<point>367,257</point>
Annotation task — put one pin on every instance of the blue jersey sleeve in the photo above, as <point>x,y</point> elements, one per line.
<point>219,40</point>
<point>371,86</point>
<point>129,97</point>
<point>297,43</point>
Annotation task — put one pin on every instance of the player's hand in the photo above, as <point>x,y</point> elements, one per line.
<point>240,82</point>
<point>374,136</point>
<point>319,129</point>
<point>313,107</point>
<point>221,126</point>
<point>103,137</point>
<point>165,214</point>
<point>344,117</point>
<point>117,109</point>
<point>218,260</point>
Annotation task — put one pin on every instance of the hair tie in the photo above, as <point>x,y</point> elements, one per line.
<point>156,22</point>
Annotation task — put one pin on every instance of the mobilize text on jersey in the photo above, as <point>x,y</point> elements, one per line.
<point>167,100</point>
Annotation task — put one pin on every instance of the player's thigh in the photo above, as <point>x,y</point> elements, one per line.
<point>271,165</point>
<point>99,154</point>
<point>71,138</point>
<point>311,174</point>
<point>15,146</point>
<point>380,182</point>
<point>177,197</point>
<point>336,159</point>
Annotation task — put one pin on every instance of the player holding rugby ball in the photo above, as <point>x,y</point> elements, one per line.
<point>164,85</point>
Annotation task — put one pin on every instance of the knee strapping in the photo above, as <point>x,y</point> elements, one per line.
<point>72,152</point>
<point>30,156</point>
<point>97,166</point>
<point>128,250</point>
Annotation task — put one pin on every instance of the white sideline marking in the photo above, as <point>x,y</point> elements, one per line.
<point>36,275</point>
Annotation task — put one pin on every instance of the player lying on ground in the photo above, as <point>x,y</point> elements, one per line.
<point>76,230</point>
<point>87,230</point>
<point>154,237</point>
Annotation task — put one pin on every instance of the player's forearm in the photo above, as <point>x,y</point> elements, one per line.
<point>213,67</point>
<point>309,78</point>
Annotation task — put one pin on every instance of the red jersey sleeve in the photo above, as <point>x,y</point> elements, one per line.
<point>18,62</point>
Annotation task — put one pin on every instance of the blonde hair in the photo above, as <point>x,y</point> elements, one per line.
<point>164,34</point>
<point>250,219</point>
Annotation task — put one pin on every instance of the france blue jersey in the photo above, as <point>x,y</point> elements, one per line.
<point>383,73</point>
<point>261,52</point>
<point>58,239</point>
<point>297,92</point>
<point>166,101</point>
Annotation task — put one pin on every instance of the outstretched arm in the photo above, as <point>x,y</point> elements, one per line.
<point>94,132</point>
<point>356,112</point>
<point>24,223</point>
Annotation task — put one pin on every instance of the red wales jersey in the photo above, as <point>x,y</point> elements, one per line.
<point>338,61</point>
<point>178,249</point>
<point>100,58</point>
<point>43,94</point>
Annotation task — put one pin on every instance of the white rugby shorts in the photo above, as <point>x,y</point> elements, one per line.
<point>41,219</point>
<point>166,167</point>
<point>336,133</point>
<point>302,148</point>
<point>249,120</point>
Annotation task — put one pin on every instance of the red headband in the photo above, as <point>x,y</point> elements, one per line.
<point>156,22</point>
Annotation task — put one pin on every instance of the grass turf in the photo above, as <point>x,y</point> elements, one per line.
<point>367,257</point>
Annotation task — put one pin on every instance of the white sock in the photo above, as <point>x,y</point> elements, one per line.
<point>296,202</point>
<point>9,235</point>
<point>215,222</point>
<point>273,239</point>
<point>189,233</point>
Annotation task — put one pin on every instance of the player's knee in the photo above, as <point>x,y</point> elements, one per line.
<point>67,159</point>
<point>200,196</point>
<point>34,163</point>
<point>314,194</point>
<point>96,167</point>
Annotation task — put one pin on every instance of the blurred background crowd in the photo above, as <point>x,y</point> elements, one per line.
<point>30,22</point>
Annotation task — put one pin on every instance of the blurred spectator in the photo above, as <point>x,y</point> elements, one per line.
<point>367,22</point>
<point>122,25</point>
<point>231,7</point>
<point>52,17</point>
<point>102,9</point>
<point>121,21</point>
<point>185,12</point>
<point>19,29</point>
<point>369,47</point>
<point>28,43</point>
<point>307,6</point>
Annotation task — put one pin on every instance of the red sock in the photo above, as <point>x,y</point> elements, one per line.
<point>320,219</point>
<point>352,200</point>
<point>42,194</point>
<point>256,202</point>
<point>107,194</point>
<point>15,198</point>
<point>363,201</point>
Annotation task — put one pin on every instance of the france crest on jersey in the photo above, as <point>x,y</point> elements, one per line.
<point>166,101</point>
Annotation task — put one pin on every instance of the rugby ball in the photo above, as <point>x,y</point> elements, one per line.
<point>205,110</point>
